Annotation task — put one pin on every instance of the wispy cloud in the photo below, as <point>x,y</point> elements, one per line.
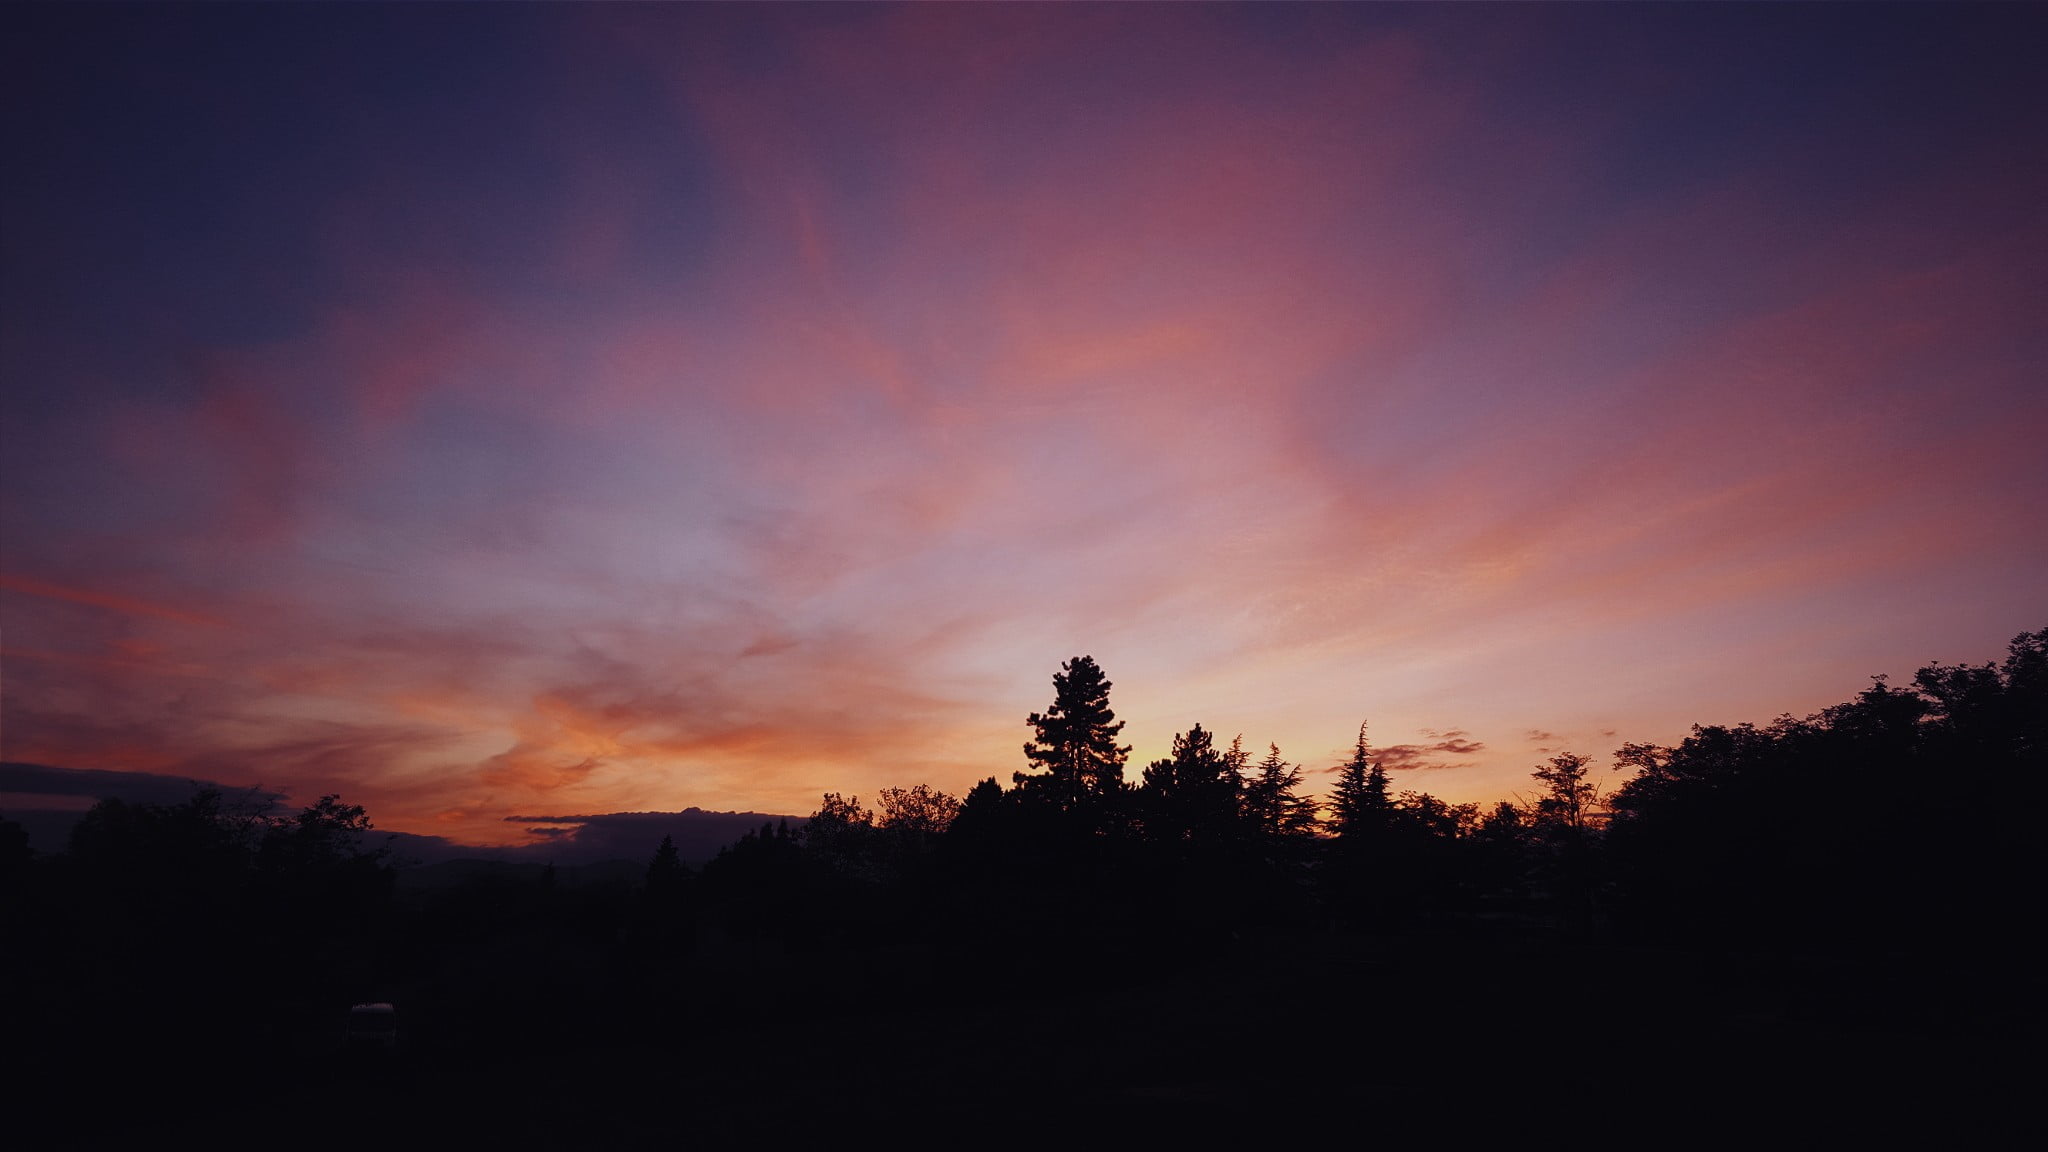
<point>1431,756</point>
<point>788,418</point>
<point>111,602</point>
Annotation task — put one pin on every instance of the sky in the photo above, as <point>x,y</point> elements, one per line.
<point>496,413</point>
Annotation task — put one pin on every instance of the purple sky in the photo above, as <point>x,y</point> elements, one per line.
<point>486,410</point>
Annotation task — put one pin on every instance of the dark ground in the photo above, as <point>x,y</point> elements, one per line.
<point>1342,1035</point>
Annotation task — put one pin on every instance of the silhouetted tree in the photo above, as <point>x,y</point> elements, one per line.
<point>665,873</point>
<point>326,891</point>
<point>912,819</point>
<point>198,848</point>
<point>919,810</point>
<point>325,834</point>
<point>1505,823</point>
<point>1362,873</point>
<point>1192,794</point>
<point>1428,867</point>
<point>1497,848</point>
<point>1568,798</point>
<point>981,808</point>
<point>1995,716</point>
<point>841,832</point>
<point>981,841</point>
<point>667,908</point>
<point>1075,739</point>
<point>1696,835</point>
<point>1828,829</point>
<point>16,857</point>
<point>760,881</point>
<point>1563,834</point>
<point>1434,819</point>
<point>1360,806</point>
<point>1271,803</point>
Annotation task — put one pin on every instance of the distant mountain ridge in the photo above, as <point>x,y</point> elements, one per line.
<point>47,800</point>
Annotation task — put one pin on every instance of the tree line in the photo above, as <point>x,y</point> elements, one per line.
<point>1830,827</point>
<point>1897,822</point>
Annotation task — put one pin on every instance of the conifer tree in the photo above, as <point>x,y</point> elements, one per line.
<point>665,872</point>
<point>1075,739</point>
<point>1194,793</point>
<point>668,883</point>
<point>1270,802</point>
<point>1360,805</point>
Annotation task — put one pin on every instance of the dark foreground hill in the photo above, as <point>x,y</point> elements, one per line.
<point>1409,1035</point>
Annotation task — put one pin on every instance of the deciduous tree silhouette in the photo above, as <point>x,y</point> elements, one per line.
<point>1566,862</point>
<point>1430,818</point>
<point>327,834</point>
<point>1568,797</point>
<point>841,832</point>
<point>1828,829</point>
<point>919,810</point>
<point>912,819</point>
<point>195,850</point>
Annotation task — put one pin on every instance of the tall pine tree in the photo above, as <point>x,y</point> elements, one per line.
<point>1193,794</point>
<point>1075,739</point>
<point>1360,806</point>
<point>1271,803</point>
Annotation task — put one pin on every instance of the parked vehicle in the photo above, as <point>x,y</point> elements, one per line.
<point>373,1026</point>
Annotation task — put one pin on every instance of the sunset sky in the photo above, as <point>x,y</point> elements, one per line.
<point>487,411</point>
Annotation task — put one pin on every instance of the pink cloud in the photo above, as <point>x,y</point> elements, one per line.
<point>1266,377</point>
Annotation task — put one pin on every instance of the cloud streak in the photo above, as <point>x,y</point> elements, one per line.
<point>1442,751</point>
